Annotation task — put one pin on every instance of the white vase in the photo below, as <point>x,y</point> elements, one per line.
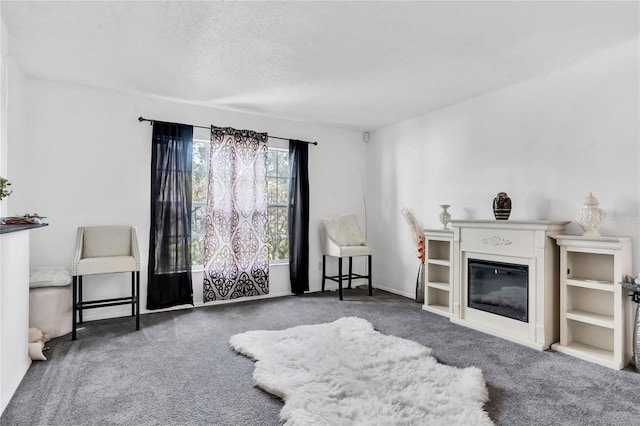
<point>591,216</point>
<point>445,217</point>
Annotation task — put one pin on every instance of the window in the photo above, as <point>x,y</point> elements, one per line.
<point>199,179</point>
<point>278,199</point>
<point>277,210</point>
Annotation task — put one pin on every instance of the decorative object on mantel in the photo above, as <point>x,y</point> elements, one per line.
<point>502,206</point>
<point>632,285</point>
<point>591,216</point>
<point>445,216</point>
<point>496,241</point>
<point>418,239</point>
<point>4,192</point>
<point>27,219</point>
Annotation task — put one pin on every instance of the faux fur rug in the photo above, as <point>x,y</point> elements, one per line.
<point>346,373</point>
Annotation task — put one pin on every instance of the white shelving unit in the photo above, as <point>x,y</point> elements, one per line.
<point>438,271</point>
<point>592,303</point>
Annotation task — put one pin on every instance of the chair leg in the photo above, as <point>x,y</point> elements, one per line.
<point>350,269</point>
<point>324,270</point>
<point>137,300</point>
<point>133,294</point>
<point>370,274</point>
<point>80,299</point>
<point>340,277</point>
<point>73,307</point>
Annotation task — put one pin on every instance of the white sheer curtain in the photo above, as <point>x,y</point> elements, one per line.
<point>236,254</point>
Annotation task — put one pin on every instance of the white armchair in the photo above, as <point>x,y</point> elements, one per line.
<point>105,250</point>
<point>341,237</point>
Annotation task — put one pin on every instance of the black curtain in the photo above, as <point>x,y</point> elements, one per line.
<point>299,216</point>
<point>169,282</point>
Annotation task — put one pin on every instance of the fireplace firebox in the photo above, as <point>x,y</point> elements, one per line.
<point>499,288</point>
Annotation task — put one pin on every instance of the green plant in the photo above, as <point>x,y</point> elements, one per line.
<point>4,183</point>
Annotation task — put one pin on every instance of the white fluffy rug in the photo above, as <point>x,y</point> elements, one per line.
<point>346,373</point>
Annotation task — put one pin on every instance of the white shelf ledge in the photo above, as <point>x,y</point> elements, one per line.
<point>588,353</point>
<point>591,284</point>
<point>437,309</point>
<point>591,318</point>
<point>439,285</point>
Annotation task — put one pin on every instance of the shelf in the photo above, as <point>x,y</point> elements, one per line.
<point>591,318</point>
<point>5,229</point>
<point>437,309</point>
<point>585,283</point>
<point>438,250</point>
<point>438,285</point>
<point>588,353</point>
<point>592,304</point>
<point>438,272</point>
<point>591,265</point>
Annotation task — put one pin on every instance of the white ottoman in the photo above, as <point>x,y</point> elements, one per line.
<point>50,300</point>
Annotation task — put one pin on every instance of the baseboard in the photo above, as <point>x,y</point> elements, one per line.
<point>396,291</point>
<point>125,310</point>
<point>331,287</point>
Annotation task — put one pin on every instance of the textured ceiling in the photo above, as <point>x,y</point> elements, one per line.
<point>357,65</point>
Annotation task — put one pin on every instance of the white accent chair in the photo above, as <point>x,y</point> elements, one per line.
<point>105,250</point>
<point>341,237</point>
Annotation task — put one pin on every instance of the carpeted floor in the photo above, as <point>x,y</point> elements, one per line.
<point>179,369</point>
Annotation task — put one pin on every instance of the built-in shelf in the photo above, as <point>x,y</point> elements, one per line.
<point>590,318</point>
<point>592,308</point>
<point>437,309</point>
<point>585,283</point>
<point>438,271</point>
<point>439,285</point>
<point>588,353</point>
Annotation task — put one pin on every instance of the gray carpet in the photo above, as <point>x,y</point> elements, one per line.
<point>179,370</point>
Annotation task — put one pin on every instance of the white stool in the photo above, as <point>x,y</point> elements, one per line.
<point>50,300</point>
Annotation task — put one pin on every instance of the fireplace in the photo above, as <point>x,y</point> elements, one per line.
<point>506,279</point>
<point>499,288</point>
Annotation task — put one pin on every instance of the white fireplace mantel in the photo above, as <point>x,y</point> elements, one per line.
<point>515,242</point>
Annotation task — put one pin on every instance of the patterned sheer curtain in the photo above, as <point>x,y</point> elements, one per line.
<point>236,254</point>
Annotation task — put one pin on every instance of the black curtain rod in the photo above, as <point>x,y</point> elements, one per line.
<point>141,119</point>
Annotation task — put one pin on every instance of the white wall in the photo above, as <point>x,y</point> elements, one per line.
<point>4,94</point>
<point>546,142</point>
<point>85,160</point>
